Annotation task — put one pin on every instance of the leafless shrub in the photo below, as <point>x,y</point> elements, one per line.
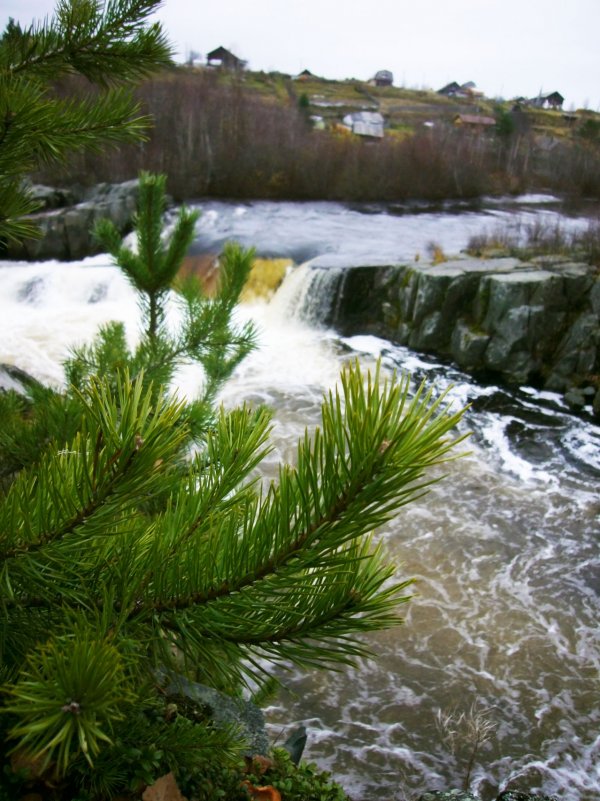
<point>221,138</point>
<point>435,253</point>
<point>538,238</point>
<point>464,734</point>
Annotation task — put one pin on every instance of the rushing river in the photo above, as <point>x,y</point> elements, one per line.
<point>503,628</point>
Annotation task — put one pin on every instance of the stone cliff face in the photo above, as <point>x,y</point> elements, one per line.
<point>532,322</point>
<point>68,218</point>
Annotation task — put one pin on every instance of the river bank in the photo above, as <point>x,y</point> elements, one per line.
<point>501,319</point>
<point>523,323</point>
<point>223,133</point>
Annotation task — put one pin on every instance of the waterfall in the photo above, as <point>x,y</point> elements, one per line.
<point>309,293</point>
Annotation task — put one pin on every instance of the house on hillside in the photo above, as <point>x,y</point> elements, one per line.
<point>365,123</point>
<point>468,89</point>
<point>474,121</point>
<point>305,75</point>
<point>553,100</point>
<point>221,57</point>
<point>382,78</point>
<point>450,89</point>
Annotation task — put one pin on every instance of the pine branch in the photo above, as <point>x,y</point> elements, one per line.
<point>15,203</point>
<point>43,129</point>
<point>106,43</point>
<point>206,334</point>
<point>289,568</point>
<point>110,44</point>
<point>83,491</point>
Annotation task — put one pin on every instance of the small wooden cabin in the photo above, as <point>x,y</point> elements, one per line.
<point>383,78</point>
<point>221,57</point>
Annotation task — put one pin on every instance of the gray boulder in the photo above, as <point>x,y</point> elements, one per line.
<point>223,710</point>
<point>66,228</point>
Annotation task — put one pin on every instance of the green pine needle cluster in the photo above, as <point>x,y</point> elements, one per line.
<point>137,538</point>
<point>111,44</point>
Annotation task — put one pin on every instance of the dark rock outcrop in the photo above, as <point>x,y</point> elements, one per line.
<point>223,710</point>
<point>68,217</point>
<point>12,378</point>
<point>522,322</point>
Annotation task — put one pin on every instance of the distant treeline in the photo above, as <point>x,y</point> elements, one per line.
<point>215,138</point>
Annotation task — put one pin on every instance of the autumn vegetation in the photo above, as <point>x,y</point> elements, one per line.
<point>250,136</point>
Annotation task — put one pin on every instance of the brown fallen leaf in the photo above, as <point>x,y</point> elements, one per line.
<point>266,793</point>
<point>163,789</point>
<point>258,764</point>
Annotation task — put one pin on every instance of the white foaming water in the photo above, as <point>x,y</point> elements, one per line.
<point>48,307</point>
<point>503,550</point>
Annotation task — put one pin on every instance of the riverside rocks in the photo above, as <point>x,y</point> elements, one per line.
<point>223,710</point>
<point>463,795</point>
<point>534,322</point>
<point>67,219</point>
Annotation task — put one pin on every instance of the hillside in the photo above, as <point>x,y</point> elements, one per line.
<point>406,110</point>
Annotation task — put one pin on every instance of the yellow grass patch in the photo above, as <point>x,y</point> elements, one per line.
<point>266,275</point>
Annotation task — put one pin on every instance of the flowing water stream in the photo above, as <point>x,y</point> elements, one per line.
<point>503,627</point>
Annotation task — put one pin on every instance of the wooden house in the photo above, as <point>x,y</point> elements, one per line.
<point>365,123</point>
<point>474,121</point>
<point>553,100</point>
<point>450,90</point>
<point>468,89</point>
<point>221,57</point>
<point>382,78</point>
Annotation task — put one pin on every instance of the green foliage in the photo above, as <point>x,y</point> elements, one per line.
<point>505,123</point>
<point>303,782</point>
<point>222,575</point>
<point>206,334</point>
<point>590,130</point>
<point>137,540</point>
<point>51,723</point>
<point>152,268</point>
<point>150,743</point>
<point>110,44</point>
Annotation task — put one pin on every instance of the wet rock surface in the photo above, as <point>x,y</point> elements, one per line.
<point>67,217</point>
<point>522,322</point>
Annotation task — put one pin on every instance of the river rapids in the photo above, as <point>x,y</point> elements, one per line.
<point>494,676</point>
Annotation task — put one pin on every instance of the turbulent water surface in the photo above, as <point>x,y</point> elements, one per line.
<point>503,626</point>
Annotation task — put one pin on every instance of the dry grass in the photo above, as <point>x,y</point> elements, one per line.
<point>526,241</point>
<point>265,277</point>
<point>465,733</point>
<point>435,253</point>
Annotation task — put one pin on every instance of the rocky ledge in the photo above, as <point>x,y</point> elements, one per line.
<point>535,322</point>
<point>67,218</point>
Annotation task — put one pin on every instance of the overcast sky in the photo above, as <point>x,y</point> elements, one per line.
<point>507,47</point>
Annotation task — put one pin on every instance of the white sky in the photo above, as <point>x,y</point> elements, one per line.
<point>507,47</point>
